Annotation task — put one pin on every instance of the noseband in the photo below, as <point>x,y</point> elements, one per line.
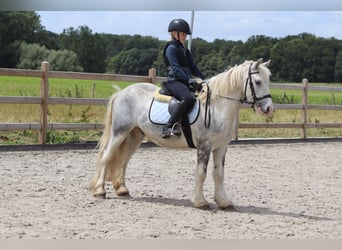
<point>249,82</point>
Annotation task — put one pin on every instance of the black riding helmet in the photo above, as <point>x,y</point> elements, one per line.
<point>179,25</point>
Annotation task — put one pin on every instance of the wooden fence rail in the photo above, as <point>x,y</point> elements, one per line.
<point>44,100</point>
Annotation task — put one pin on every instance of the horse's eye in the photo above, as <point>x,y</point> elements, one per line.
<point>257,82</point>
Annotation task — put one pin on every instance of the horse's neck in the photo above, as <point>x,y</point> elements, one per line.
<point>227,86</point>
<point>223,114</point>
<point>227,103</point>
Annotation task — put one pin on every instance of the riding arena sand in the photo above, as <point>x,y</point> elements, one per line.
<point>279,191</point>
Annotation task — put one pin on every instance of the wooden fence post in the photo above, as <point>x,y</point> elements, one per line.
<point>305,106</point>
<point>44,92</point>
<point>152,73</point>
<point>93,90</point>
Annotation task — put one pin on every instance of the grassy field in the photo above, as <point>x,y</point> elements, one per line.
<point>29,86</point>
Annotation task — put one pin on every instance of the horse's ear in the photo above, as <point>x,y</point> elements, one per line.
<point>266,64</point>
<point>258,62</point>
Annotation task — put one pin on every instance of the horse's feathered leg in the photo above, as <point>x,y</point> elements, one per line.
<point>220,196</point>
<point>203,153</point>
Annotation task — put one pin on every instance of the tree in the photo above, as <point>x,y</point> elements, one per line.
<point>32,55</point>
<point>255,47</point>
<point>217,59</point>
<point>15,27</point>
<point>48,39</point>
<point>200,48</point>
<point>89,48</point>
<point>237,54</point>
<point>19,26</point>
<point>223,48</point>
<point>320,59</point>
<point>338,67</point>
<point>212,64</point>
<point>159,64</point>
<point>64,60</point>
<point>288,60</point>
<point>133,61</point>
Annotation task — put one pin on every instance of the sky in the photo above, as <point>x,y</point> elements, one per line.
<point>208,25</point>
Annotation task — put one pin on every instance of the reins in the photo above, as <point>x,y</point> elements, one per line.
<point>207,108</point>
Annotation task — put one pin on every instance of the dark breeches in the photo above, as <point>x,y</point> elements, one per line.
<point>181,91</point>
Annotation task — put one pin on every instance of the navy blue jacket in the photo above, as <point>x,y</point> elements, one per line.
<point>180,63</point>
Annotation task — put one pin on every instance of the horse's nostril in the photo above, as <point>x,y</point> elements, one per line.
<point>269,110</point>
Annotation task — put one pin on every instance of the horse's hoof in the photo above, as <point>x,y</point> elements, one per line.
<point>122,191</point>
<point>100,195</point>
<point>226,206</point>
<point>202,205</point>
<point>229,208</point>
<point>223,203</point>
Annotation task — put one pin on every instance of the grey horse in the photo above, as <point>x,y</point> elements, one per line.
<point>127,124</point>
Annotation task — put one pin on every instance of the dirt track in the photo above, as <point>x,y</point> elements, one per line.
<point>279,190</point>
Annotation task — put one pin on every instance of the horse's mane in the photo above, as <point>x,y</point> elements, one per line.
<point>229,81</point>
<point>225,82</point>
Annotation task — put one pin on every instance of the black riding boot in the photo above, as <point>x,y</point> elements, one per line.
<point>173,127</point>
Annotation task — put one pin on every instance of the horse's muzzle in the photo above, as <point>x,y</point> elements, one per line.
<point>264,107</point>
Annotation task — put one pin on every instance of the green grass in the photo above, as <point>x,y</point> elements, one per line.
<point>314,97</point>
<point>30,86</point>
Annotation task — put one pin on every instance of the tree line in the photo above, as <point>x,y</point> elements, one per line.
<point>25,43</point>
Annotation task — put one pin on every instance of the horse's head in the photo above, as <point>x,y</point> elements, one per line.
<point>257,90</point>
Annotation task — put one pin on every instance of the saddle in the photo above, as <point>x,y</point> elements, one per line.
<point>162,106</point>
<point>163,94</point>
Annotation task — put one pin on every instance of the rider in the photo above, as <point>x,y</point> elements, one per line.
<point>181,68</point>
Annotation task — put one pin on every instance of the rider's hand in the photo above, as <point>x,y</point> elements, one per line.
<point>194,86</point>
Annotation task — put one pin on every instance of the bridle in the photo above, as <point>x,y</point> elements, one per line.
<point>249,81</point>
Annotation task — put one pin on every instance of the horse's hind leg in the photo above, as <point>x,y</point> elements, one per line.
<point>220,196</point>
<point>127,149</point>
<point>109,158</point>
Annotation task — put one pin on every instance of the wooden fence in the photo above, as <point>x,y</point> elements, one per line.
<point>44,100</point>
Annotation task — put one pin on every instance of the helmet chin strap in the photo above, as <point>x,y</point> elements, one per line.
<point>177,38</point>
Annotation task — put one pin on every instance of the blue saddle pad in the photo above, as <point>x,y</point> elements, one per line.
<point>159,113</point>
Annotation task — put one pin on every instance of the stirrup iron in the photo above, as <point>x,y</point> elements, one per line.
<point>176,126</point>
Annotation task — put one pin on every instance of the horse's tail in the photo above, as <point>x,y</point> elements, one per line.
<point>103,142</point>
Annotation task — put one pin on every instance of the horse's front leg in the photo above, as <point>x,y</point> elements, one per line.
<point>203,153</point>
<point>220,196</point>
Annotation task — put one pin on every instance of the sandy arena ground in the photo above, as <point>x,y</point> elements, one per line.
<point>280,191</point>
